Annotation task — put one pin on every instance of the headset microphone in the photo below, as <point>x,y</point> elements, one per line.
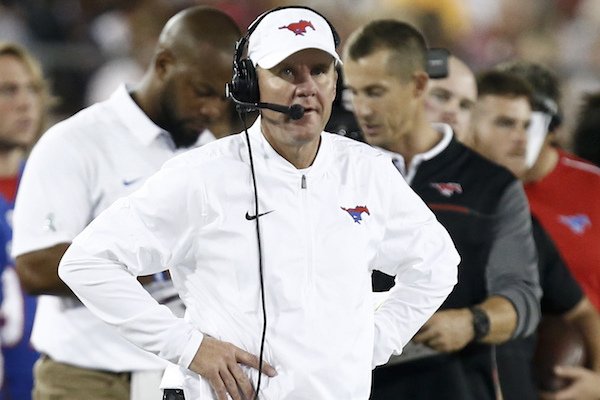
<point>295,111</point>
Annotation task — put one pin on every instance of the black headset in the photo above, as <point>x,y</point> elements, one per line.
<point>549,106</point>
<point>244,84</point>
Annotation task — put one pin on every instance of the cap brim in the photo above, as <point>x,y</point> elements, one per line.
<point>272,59</point>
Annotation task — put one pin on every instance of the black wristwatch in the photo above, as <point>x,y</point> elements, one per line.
<point>481,323</point>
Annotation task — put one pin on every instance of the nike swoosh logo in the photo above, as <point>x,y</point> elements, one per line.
<point>251,217</point>
<point>130,181</point>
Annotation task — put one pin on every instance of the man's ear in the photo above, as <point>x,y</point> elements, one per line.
<point>552,137</point>
<point>420,78</point>
<point>163,63</point>
<point>471,138</point>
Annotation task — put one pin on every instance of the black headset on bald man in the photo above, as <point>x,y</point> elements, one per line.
<point>243,89</point>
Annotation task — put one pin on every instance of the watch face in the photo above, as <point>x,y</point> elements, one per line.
<point>481,322</point>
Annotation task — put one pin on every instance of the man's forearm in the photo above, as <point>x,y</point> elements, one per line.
<point>38,271</point>
<point>587,321</point>
<point>503,319</point>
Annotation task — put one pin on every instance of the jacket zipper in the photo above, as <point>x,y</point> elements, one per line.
<point>309,236</point>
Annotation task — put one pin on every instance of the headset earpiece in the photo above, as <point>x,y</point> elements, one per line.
<point>556,121</point>
<point>550,107</point>
<point>244,84</point>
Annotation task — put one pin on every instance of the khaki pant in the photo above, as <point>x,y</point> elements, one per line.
<point>58,381</point>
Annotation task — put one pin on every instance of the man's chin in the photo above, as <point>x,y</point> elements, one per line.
<point>518,169</point>
<point>186,139</point>
<point>373,139</point>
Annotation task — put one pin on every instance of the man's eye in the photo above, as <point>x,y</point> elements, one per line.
<point>8,90</point>
<point>442,96</point>
<point>204,92</point>
<point>375,92</point>
<point>466,105</point>
<point>505,123</point>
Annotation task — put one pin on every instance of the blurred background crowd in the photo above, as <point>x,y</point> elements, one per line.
<point>88,46</point>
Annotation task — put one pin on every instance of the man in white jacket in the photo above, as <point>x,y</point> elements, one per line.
<point>303,214</point>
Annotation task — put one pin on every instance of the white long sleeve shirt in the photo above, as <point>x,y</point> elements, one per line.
<point>323,229</point>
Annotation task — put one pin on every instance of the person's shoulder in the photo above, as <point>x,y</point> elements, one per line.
<point>578,165</point>
<point>478,165</point>
<point>81,124</point>
<point>346,147</point>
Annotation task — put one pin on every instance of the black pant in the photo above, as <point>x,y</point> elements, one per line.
<point>173,394</point>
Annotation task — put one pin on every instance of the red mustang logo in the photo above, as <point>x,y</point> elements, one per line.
<point>299,28</point>
<point>447,189</point>
<point>356,212</point>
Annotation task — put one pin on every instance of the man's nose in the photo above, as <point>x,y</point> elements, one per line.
<point>212,108</point>
<point>518,138</point>
<point>25,98</point>
<point>306,85</point>
<point>361,107</point>
<point>520,134</point>
<point>449,116</point>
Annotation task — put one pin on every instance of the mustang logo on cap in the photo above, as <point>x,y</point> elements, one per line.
<point>299,28</point>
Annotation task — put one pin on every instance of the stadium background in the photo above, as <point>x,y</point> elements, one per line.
<point>87,46</point>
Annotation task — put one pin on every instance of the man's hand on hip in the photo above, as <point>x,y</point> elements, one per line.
<point>218,363</point>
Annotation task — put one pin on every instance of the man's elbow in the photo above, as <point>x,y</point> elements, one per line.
<point>39,279</point>
<point>525,303</point>
<point>529,317</point>
<point>38,271</point>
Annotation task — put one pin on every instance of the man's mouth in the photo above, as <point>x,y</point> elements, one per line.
<point>370,129</point>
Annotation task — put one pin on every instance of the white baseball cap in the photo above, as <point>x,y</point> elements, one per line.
<point>284,32</point>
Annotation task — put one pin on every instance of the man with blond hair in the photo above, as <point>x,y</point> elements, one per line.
<point>24,100</point>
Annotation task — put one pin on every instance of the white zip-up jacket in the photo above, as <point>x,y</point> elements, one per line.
<point>323,229</point>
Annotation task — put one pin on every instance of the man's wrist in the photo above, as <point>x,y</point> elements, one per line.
<point>481,323</point>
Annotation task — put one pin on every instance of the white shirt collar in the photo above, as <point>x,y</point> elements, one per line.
<point>205,137</point>
<point>132,116</point>
<point>319,166</point>
<point>410,172</point>
<point>140,125</point>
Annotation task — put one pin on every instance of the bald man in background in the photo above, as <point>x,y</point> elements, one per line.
<point>450,100</point>
<point>84,164</point>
